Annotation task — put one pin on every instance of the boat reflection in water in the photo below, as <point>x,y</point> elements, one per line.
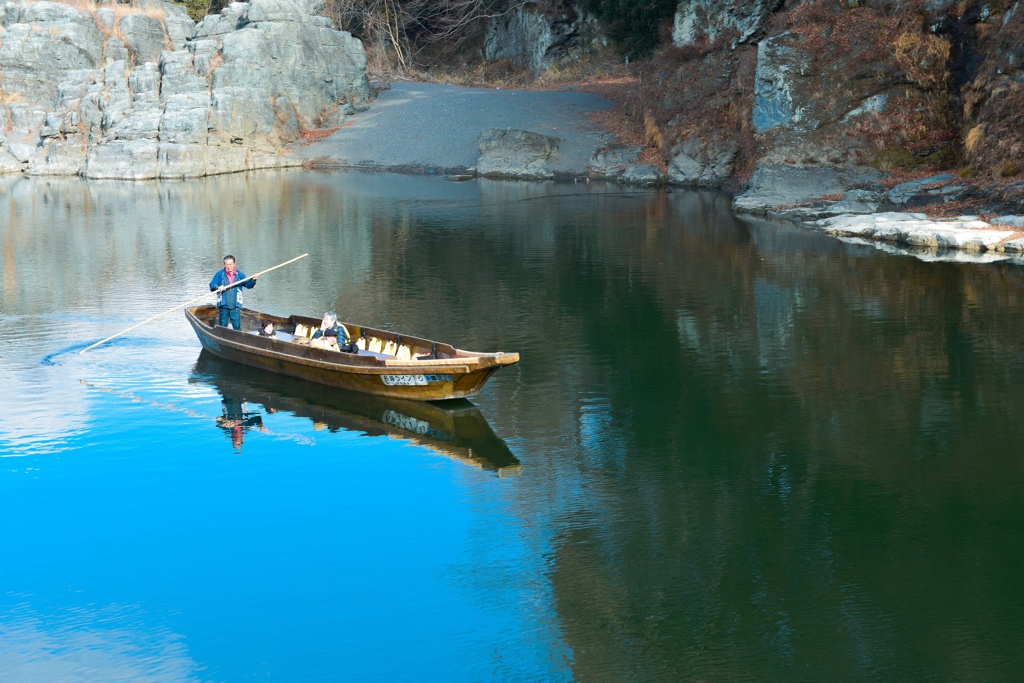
<point>457,429</point>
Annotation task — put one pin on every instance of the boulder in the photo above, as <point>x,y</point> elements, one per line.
<point>643,175</point>
<point>514,153</point>
<point>612,161</point>
<point>703,163</point>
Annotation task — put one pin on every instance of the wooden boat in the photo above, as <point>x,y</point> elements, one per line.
<point>415,369</point>
<point>454,429</point>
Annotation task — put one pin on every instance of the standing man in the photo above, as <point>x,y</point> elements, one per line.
<point>229,299</point>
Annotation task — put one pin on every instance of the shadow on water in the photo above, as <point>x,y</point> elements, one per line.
<point>457,429</point>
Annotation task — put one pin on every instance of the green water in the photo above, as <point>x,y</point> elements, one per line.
<point>745,451</point>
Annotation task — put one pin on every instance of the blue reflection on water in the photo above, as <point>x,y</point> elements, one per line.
<point>150,547</point>
<point>326,556</point>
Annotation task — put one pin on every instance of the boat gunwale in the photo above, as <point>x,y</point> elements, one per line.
<point>459,365</point>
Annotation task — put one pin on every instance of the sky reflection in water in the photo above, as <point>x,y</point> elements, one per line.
<point>743,451</point>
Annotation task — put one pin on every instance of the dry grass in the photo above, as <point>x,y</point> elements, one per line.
<point>626,118</point>
<point>993,100</point>
<point>924,58</point>
<point>974,139</point>
<point>963,207</point>
<point>477,73</point>
<point>315,134</point>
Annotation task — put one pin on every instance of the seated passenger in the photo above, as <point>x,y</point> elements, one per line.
<point>268,329</point>
<point>330,322</point>
<point>328,342</point>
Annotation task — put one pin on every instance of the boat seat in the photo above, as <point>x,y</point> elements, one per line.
<point>373,354</point>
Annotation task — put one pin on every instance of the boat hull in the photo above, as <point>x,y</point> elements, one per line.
<point>459,376</point>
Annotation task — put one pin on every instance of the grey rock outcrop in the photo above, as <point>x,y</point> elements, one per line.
<point>778,186</point>
<point>703,163</point>
<point>139,91</point>
<point>715,20</point>
<point>643,175</point>
<point>791,112</point>
<point>514,153</point>
<point>537,40</point>
<point>965,233</point>
<point>1012,221</point>
<point>917,193</point>
<point>612,161</point>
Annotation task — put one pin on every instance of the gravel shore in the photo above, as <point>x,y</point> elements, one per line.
<point>431,127</point>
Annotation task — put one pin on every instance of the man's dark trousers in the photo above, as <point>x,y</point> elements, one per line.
<point>232,314</point>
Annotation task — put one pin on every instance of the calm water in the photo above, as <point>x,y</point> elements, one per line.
<point>732,451</point>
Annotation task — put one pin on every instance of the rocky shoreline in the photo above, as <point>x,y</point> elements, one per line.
<point>898,215</point>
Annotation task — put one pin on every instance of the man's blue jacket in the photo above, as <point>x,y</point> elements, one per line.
<point>230,298</point>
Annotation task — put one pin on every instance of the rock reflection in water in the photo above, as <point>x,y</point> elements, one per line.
<point>456,429</point>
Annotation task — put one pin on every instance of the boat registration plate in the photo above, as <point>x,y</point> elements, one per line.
<point>414,380</point>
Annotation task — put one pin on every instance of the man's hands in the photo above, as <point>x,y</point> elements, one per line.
<point>221,289</point>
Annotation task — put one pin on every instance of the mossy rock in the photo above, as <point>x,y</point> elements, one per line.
<point>892,158</point>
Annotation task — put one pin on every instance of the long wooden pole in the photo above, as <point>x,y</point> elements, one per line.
<point>187,303</point>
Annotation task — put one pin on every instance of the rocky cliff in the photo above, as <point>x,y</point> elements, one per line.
<point>135,91</point>
<point>536,38</point>
<point>807,98</point>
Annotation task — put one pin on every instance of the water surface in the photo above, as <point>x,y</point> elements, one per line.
<point>744,451</point>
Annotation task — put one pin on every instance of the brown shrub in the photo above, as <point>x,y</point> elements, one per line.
<point>993,100</point>
<point>923,58</point>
